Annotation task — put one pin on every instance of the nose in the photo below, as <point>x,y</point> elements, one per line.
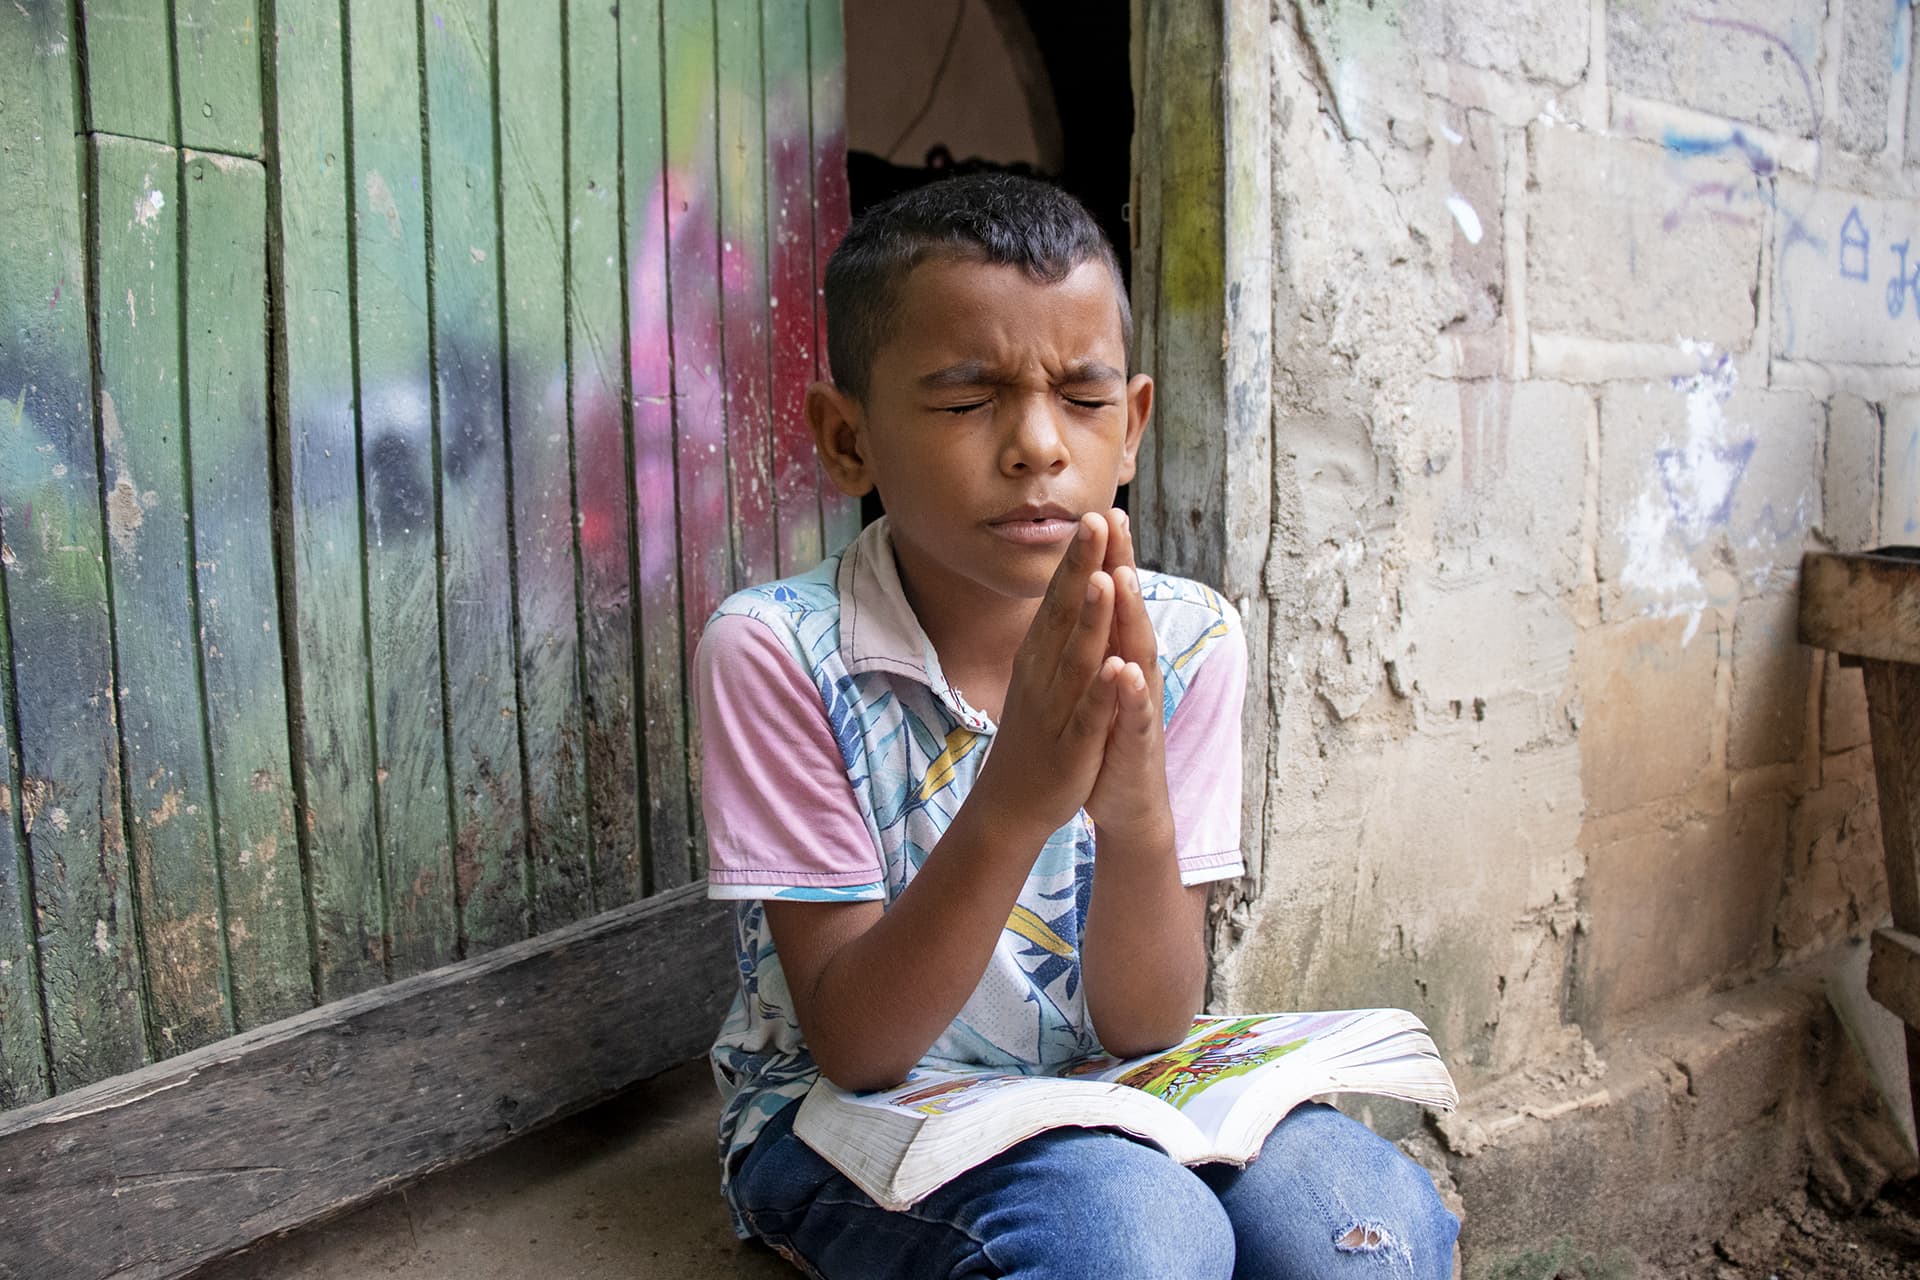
<point>1034,444</point>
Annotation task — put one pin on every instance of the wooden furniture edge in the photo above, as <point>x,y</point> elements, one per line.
<point>160,1170</point>
<point>1860,604</point>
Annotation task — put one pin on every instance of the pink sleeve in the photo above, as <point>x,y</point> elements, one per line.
<point>1203,765</point>
<point>782,820</point>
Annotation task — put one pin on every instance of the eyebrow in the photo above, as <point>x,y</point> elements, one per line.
<point>978,373</point>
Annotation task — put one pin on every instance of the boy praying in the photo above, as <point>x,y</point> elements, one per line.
<point>970,778</point>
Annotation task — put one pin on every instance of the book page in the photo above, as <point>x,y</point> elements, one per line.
<point>927,1092</point>
<point>1206,1073</point>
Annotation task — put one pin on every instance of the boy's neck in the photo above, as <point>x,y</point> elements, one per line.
<point>974,633</point>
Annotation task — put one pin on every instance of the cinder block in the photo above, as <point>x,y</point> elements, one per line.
<point>1836,878</point>
<point>1850,480</point>
<point>1472,149</point>
<point>1647,693</point>
<point>1846,276</point>
<point>1900,475</point>
<point>1674,908</point>
<point>1754,60</point>
<point>1633,242</point>
<point>1866,72</point>
<point>1540,39</point>
<point>1504,484</point>
<point>1772,671</point>
<point>1696,472</point>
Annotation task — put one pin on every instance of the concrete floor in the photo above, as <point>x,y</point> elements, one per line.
<point>629,1189</point>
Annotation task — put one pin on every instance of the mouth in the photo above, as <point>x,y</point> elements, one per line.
<point>1036,524</point>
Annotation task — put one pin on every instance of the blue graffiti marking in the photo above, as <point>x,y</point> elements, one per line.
<point>1691,481</point>
<point>1690,145</point>
<point>1853,247</point>
<point>1903,283</point>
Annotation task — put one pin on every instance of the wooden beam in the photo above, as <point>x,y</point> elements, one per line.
<point>1893,973</point>
<point>1866,604</point>
<point>153,1173</point>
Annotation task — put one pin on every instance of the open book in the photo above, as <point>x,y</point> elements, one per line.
<point>1212,1097</point>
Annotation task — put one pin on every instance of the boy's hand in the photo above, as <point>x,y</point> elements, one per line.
<point>1060,701</point>
<point>1131,788</point>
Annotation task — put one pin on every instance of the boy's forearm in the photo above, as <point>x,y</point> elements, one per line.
<point>1143,955</point>
<point>884,996</point>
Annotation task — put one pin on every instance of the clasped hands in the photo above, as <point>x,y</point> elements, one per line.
<point>1082,726</point>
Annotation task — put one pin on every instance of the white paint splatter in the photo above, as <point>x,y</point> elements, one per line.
<point>100,941</point>
<point>1447,131</point>
<point>148,204</point>
<point>1464,215</point>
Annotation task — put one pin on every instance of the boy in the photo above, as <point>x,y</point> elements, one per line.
<point>908,895</point>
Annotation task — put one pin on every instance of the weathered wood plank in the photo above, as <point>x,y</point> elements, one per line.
<point>827,59</point>
<point>743,291</point>
<point>216,42</point>
<point>395,386</point>
<point>656,516</point>
<point>1865,604</point>
<point>482,717</point>
<point>693,273</point>
<point>152,1174</point>
<point>137,230</point>
<point>335,756</point>
<point>533,286</point>
<point>231,462</point>
<point>693,276</point>
<point>796,477</point>
<point>597,408</point>
<point>1893,973</point>
<point>51,555</point>
<point>24,1069</point>
<point>1893,713</point>
<point>129,80</point>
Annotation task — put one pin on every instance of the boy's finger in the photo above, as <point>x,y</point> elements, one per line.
<point>1092,718</point>
<point>1067,592</point>
<point>1086,647</point>
<point>1133,637</point>
<point>1119,540</point>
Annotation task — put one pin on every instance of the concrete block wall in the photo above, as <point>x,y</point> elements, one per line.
<point>1590,317</point>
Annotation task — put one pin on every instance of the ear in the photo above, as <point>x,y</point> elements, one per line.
<point>837,421</point>
<point>1139,409</point>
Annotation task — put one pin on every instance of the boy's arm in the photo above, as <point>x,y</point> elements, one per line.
<point>1143,955</point>
<point>873,990</point>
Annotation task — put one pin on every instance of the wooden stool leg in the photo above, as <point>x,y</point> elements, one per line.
<point>1893,709</point>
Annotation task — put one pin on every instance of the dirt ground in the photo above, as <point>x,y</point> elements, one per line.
<point>1796,1239</point>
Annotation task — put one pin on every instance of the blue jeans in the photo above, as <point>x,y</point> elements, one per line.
<point>1327,1198</point>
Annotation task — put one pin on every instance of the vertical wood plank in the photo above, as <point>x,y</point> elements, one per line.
<point>51,558</point>
<point>137,223</point>
<point>693,274</point>
<point>827,60</point>
<point>397,471</point>
<point>129,69</point>
<point>796,477</point>
<point>597,407</point>
<point>219,75</point>
<point>693,279</point>
<point>743,290</point>
<point>230,461</point>
<point>650,366</point>
<point>23,1055</point>
<point>331,707</point>
<point>533,288</point>
<point>482,731</point>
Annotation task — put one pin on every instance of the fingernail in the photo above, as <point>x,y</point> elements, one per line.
<point>1085,534</point>
<point>1125,522</point>
<point>1093,590</point>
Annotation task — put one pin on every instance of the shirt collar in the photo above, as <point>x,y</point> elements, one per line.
<point>878,628</point>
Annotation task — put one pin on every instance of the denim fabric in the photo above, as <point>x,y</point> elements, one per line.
<point>1326,1199</point>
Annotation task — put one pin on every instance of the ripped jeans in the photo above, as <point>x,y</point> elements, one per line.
<point>1326,1199</point>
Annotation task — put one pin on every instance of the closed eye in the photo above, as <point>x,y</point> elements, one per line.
<point>1089,404</point>
<point>957,409</point>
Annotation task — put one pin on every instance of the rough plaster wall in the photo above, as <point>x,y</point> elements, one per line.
<point>1589,319</point>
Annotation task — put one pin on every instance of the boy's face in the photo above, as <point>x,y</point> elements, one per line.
<point>998,414</point>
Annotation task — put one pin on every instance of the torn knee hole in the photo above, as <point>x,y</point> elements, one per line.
<point>1361,1237</point>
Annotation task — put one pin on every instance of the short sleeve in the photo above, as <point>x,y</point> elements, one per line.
<point>782,820</point>
<point>1203,764</point>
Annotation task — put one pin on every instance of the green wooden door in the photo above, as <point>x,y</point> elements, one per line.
<point>387,394</point>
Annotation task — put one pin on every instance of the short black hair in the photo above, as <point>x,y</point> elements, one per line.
<point>997,218</point>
